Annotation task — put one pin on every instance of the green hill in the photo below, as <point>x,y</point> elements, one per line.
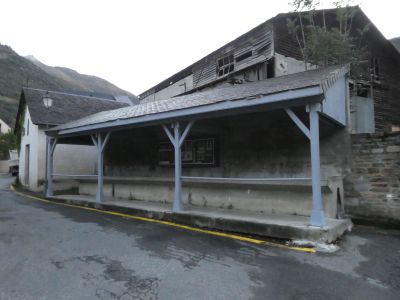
<point>396,42</point>
<point>17,71</point>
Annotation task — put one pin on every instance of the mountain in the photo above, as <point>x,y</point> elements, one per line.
<point>396,43</point>
<point>17,71</point>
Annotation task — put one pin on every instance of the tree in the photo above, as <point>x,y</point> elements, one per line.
<point>321,44</point>
<point>8,141</point>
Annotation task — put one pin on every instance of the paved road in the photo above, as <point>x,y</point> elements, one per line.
<point>53,252</point>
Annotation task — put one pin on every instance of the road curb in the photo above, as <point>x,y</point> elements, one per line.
<point>162,218</point>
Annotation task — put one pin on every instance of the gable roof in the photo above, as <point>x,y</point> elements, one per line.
<point>242,39</point>
<point>360,20</point>
<point>274,24</point>
<point>319,81</point>
<point>66,107</point>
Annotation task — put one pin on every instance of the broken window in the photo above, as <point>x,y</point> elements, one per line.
<point>225,65</point>
<point>244,56</point>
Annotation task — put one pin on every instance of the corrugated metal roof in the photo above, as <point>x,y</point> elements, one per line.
<point>323,78</point>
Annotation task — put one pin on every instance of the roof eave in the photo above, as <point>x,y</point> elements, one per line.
<point>295,97</point>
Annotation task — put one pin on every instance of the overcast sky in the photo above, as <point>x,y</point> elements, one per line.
<point>136,44</point>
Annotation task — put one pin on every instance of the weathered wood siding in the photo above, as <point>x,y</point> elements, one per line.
<point>258,41</point>
<point>386,90</point>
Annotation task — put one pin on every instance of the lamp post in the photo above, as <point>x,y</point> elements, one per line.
<point>47,102</point>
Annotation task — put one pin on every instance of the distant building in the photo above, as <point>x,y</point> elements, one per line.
<point>4,128</point>
<point>32,121</point>
<point>269,50</point>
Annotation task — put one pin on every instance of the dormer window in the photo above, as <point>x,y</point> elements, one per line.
<point>225,65</point>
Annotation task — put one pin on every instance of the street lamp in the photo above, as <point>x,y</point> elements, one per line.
<point>47,102</point>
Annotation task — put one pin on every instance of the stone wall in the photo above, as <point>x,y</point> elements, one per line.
<point>372,190</point>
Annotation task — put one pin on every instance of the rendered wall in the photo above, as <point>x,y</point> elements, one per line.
<point>280,199</point>
<point>4,127</point>
<point>68,159</point>
<point>285,65</point>
<point>174,89</point>
<point>4,166</point>
<point>31,138</point>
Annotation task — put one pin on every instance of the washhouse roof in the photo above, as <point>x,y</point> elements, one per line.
<point>282,88</point>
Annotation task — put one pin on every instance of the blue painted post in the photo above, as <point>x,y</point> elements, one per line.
<point>99,194</point>
<point>51,145</point>
<point>317,214</point>
<point>100,144</point>
<point>177,139</point>
<point>177,205</point>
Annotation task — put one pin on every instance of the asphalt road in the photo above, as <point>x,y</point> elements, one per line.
<point>49,251</point>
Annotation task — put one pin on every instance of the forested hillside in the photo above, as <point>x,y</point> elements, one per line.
<point>17,71</point>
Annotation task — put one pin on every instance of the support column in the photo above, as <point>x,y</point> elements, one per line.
<point>177,205</point>
<point>177,140</point>
<point>51,145</point>
<point>100,142</point>
<point>317,214</point>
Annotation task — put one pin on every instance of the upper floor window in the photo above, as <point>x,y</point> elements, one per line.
<point>360,89</point>
<point>374,67</point>
<point>225,65</point>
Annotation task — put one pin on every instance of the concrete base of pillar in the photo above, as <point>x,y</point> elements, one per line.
<point>317,219</point>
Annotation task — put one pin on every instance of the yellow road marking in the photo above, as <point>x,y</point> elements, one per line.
<point>216,233</point>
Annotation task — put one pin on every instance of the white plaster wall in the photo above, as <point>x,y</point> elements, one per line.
<point>287,65</point>
<point>68,159</point>
<point>4,127</point>
<point>4,166</point>
<point>172,90</point>
<point>30,137</point>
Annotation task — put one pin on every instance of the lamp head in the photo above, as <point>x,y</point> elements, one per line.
<point>47,101</point>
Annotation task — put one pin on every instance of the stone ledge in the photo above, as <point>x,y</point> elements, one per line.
<point>290,185</point>
<point>276,226</point>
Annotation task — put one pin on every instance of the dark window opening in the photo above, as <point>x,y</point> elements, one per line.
<point>244,56</point>
<point>225,65</point>
<point>195,152</point>
<point>374,67</point>
<point>270,68</point>
<point>360,90</point>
